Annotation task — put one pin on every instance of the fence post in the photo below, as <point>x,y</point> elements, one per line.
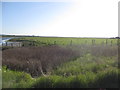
<point>106,42</point>
<point>92,42</point>
<point>111,42</point>
<point>54,42</point>
<point>71,42</point>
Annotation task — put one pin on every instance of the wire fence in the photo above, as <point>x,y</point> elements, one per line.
<point>71,42</point>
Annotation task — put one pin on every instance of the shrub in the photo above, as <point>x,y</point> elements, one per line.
<point>15,79</point>
<point>37,60</point>
<point>107,79</point>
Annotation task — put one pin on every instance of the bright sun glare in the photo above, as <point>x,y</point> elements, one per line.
<point>86,18</point>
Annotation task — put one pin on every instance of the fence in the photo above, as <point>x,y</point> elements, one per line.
<point>70,42</point>
<point>12,44</point>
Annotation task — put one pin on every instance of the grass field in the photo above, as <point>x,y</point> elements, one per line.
<point>37,41</point>
<point>46,62</point>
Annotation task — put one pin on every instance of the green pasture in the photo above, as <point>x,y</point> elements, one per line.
<point>66,41</point>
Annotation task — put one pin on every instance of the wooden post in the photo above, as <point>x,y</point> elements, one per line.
<point>71,42</point>
<point>85,41</point>
<point>54,42</point>
<point>111,42</point>
<point>92,42</point>
<point>106,42</point>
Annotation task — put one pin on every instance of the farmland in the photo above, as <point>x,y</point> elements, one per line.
<point>37,41</point>
<point>54,62</point>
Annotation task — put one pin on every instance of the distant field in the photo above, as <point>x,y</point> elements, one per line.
<point>66,41</point>
<point>46,62</point>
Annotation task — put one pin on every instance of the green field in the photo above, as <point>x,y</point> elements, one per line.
<point>66,41</point>
<point>49,62</point>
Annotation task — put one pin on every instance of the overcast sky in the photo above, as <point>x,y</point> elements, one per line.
<point>86,18</point>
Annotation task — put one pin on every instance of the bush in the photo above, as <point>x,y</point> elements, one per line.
<point>107,79</point>
<point>60,82</point>
<point>37,60</point>
<point>15,79</point>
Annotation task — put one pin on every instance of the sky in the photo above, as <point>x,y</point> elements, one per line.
<point>83,18</point>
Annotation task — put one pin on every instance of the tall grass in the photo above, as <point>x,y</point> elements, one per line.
<point>103,79</point>
<point>86,63</point>
<point>108,79</point>
<point>15,79</point>
<point>76,65</point>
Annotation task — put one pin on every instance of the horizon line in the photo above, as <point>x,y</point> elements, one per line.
<point>56,36</point>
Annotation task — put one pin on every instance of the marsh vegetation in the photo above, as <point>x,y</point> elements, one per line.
<point>61,63</point>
